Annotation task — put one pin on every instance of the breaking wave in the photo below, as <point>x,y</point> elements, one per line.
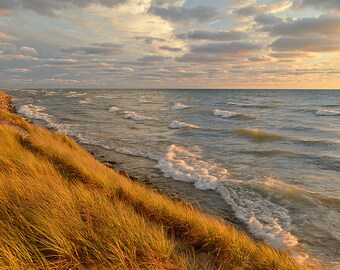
<point>75,94</point>
<point>265,219</point>
<point>86,101</point>
<point>136,117</point>
<point>113,109</point>
<point>38,113</point>
<point>322,112</point>
<point>177,124</point>
<point>225,114</point>
<point>180,106</point>
<point>229,114</point>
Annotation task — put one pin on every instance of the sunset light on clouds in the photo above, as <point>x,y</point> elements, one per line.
<point>170,43</point>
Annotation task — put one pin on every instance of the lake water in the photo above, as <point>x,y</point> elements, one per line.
<point>268,161</point>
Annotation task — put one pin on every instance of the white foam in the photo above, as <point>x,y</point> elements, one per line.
<point>183,165</point>
<point>38,112</point>
<point>50,93</point>
<point>75,94</point>
<point>144,99</point>
<point>34,92</point>
<point>34,112</point>
<point>239,104</point>
<point>86,101</point>
<point>225,114</point>
<point>265,219</point>
<point>323,112</point>
<point>180,106</point>
<point>113,109</point>
<point>136,117</point>
<point>109,97</point>
<point>177,124</point>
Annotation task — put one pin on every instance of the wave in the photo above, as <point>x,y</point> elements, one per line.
<point>49,93</point>
<point>136,117</point>
<point>269,153</point>
<point>259,135</point>
<point>264,106</point>
<point>113,109</point>
<point>144,99</point>
<point>136,153</point>
<point>75,94</point>
<point>331,105</point>
<point>322,112</point>
<point>180,106</point>
<point>277,101</point>
<point>182,165</point>
<point>225,114</point>
<point>109,97</point>
<point>265,219</point>
<point>229,114</point>
<point>34,112</point>
<point>86,101</point>
<point>315,142</point>
<point>177,124</point>
<point>38,112</point>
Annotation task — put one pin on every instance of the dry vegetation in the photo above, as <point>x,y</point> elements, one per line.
<point>62,209</point>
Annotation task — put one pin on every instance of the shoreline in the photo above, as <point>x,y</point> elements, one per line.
<point>7,106</point>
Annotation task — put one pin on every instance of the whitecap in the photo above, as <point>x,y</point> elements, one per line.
<point>144,100</point>
<point>113,109</point>
<point>323,112</point>
<point>225,114</point>
<point>108,97</point>
<point>183,165</point>
<point>75,94</point>
<point>86,101</point>
<point>136,117</point>
<point>38,113</point>
<point>180,106</point>
<point>265,220</point>
<point>177,124</point>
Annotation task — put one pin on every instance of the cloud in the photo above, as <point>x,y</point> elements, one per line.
<point>297,55</point>
<point>167,3</point>
<point>333,5</point>
<point>183,14</point>
<point>28,51</point>
<point>6,37</point>
<point>279,6</point>
<point>267,19</point>
<point>94,49</point>
<point>261,58</point>
<point>203,58</point>
<point>215,36</point>
<point>49,7</point>
<point>326,24</point>
<point>61,62</point>
<point>18,70</point>
<point>235,47</point>
<point>150,40</point>
<point>308,44</point>
<point>272,8</point>
<point>250,10</point>
<point>171,49</point>
<point>153,58</point>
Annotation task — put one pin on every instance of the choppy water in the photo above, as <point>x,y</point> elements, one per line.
<point>267,160</point>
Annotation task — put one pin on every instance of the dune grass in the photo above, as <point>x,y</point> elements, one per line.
<point>62,209</point>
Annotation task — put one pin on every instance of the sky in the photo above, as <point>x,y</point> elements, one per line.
<point>269,44</point>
